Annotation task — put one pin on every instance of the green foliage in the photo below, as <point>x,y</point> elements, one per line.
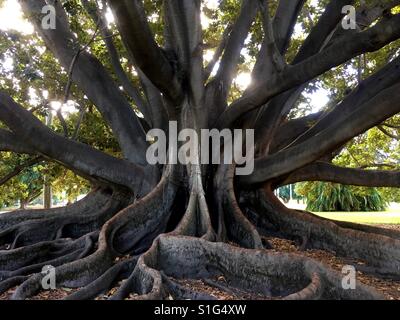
<point>325,196</point>
<point>28,185</point>
<point>25,187</point>
<point>374,150</point>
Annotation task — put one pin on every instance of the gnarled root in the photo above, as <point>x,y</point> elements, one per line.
<point>275,275</point>
<point>88,215</point>
<point>188,252</point>
<point>196,221</point>
<point>96,199</point>
<point>106,281</point>
<point>232,220</point>
<point>371,245</point>
<point>142,221</point>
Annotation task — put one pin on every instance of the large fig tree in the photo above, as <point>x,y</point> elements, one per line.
<point>196,221</point>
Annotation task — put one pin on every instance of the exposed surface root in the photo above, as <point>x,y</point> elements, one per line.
<point>389,288</point>
<point>50,253</point>
<point>237,226</point>
<point>207,289</point>
<point>66,222</point>
<point>180,290</point>
<point>105,282</point>
<point>177,264</point>
<point>377,250</point>
<point>95,200</point>
<point>196,221</point>
<point>391,233</point>
<point>138,220</point>
<point>273,275</point>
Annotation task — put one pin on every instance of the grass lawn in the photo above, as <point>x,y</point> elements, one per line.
<point>391,216</point>
<point>385,217</point>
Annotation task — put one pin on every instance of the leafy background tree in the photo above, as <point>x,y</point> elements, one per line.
<point>376,148</point>
<point>325,196</point>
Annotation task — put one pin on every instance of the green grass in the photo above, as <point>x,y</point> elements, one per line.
<point>385,217</point>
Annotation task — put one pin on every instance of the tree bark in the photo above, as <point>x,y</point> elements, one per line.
<point>152,226</point>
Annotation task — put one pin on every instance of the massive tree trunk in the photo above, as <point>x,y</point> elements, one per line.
<point>201,221</point>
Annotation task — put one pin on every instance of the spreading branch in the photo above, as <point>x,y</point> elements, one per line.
<point>218,53</point>
<point>383,106</point>
<point>290,130</point>
<point>273,61</point>
<point>93,79</point>
<point>322,171</point>
<point>271,114</point>
<point>237,37</point>
<point>218,89</point>
<point>282,27</point>
<point>89,162</point>
<point>384,78</point>
<point>184,24</point>
<point>9,142</point>
<point>99,18</point>
<point>341,51</point>
<point>284,22</point>
<point>144,51</point>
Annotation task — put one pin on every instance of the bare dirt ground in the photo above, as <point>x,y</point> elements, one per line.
<point>220,289</point>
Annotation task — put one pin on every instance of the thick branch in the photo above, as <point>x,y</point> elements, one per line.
<point>184,23</point>
<point>277,37</point>
<point>88,161</point>
<point>218,53</point>
<point>218,89</point>
<point>235,43</point>
<point>10,142</point>
<point>348,47</point>
<point>270,115</point>
<point>284,21</point>
<point>159,110</point>
<point>130,89</point>
<point>379,81</point>
<point>292,129</point>
<point>368,14</point>
<point>322,171</point>
<point>94,80</point>
<point>373,112</point>
<point>322,31</point>
<point>139,41</point>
